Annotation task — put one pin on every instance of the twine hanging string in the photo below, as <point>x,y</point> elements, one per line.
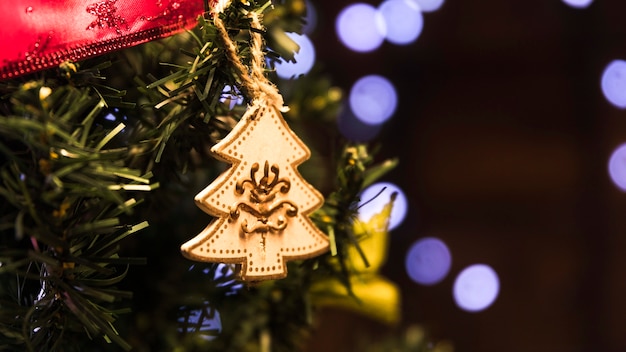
<point>253,80</point>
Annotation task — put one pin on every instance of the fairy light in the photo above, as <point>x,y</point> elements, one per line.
<point>231,96</point>
<point>613,83</point>
<point>304,58</point>
<point>373,99</point>
<point>376,196</point>
<point>222,272</point>
<point>403,19</point>
<point>429,5</point>
<point>617,167</point>
<point>579,4</point>
<point>360,27</point>
<point>428,261</point>
<point>476,288</point>
<point>206,321</point>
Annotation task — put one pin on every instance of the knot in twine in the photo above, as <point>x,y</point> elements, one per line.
<point>253,80</point>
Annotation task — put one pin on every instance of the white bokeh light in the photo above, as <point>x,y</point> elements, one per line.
<point>360,27</point>
<point>371,204</point>
<point>614,83</point>
<point>429,5</point>
<point>403,20</point>
<point>373,99</point>
<point>476,288</point>
<point>305,58</point>
<point>617,167</point>
<point>428,261</point>
<point>579,4</point>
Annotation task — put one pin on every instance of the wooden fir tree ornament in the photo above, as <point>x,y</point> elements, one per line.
<point>261,203</point>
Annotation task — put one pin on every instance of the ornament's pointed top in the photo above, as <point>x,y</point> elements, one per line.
<point>269,96</point>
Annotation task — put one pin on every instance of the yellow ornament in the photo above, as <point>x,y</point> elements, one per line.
<point>376,296</point>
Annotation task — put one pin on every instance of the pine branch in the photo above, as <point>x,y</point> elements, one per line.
<point>66,189</point>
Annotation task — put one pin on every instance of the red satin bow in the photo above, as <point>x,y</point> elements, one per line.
<point>40,34</point>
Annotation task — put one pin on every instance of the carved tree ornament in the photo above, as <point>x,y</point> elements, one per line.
<point>261,202</point>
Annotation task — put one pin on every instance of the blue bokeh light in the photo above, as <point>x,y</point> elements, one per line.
<point>231,96</point>
<point>476,288</point>
<point>613,83</point>
<point>579,4</point>
<point>373,99</point>
<point>371,203</point>
<point>403,19</point>
<point>304,58</point>
<point>617,167</point>
<point>429,5</point>
<point>360,27</point>
<point>205,321</point>
<point>428,261</point>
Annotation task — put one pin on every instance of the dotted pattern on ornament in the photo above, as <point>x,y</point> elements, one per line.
<point>261,202</point>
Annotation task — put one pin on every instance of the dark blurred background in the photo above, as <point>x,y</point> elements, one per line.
<point>504,136</point>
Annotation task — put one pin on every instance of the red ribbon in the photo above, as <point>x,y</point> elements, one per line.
<point>40,34</point>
